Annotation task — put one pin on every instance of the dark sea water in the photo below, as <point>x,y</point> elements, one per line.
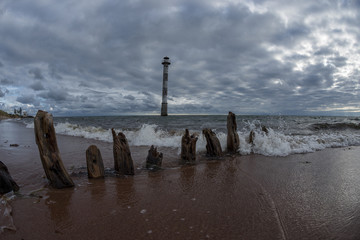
<point>287,134</point>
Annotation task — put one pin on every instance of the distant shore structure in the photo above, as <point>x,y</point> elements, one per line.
<point>166,62</point>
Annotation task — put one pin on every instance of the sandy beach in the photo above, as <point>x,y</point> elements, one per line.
<point>302,196</point>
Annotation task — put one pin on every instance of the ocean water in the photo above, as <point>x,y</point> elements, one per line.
<point>286,134</point>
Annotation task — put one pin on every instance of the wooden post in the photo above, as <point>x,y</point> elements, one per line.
<point>123,162</point>
<point>94,162</point>
<point>252,134</point>
<point>188,147</point>
<point>264,129</point>
<point>233,141</point>
<point>213,147</point>
<point>251,137</point>
<point>7,183</point>
<point>49,153</point>
<point>154,158</point>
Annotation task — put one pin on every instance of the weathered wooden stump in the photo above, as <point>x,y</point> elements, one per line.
<point>251,137</point>
<point>94,162</point>
<point>233,141</point>
<point>252,134</point>
<point>213,147</point>
<point>7,183</point>
<point>123,162</point>
<point>188,147</point>
<point>154,158</point>
<point>49,153</point>
<point>264,129</point>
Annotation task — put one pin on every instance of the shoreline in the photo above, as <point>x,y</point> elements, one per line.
<point>312,195</point>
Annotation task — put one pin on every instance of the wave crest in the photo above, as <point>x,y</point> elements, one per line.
<point>272,143</point>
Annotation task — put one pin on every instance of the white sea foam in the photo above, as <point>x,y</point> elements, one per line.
<point>273,143</point>
<point>277,144</point>
<point>149,134</point>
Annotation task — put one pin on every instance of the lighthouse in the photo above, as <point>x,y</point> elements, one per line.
<point>166,63</point>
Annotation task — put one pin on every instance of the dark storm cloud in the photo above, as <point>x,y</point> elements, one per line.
<point>318,75</point>
<point>36,73</point>
<point>57,95</point>
<point>88,105</point>
<point>324,51</point>
<point>6,81</point>
<point>2,94</point>
<point>37,86</point>
<point>129,97</point>
<point>26,99</point>
<point>251,57</point>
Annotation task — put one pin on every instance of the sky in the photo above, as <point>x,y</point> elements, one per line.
<point>103,57</point>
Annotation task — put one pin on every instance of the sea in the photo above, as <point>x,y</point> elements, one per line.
<point>286,134</point>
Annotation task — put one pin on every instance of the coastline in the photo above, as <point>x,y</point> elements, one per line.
<point>313,195</point>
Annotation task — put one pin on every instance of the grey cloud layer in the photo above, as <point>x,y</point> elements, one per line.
<point>77,58</point>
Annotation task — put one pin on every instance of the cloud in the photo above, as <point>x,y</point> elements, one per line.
<point>26,99</point>
<point>2,94</point>
<point>250,56</point>
<point>6,81</point>
<point>37,86</point>
<point>56,95</point>
<point>129,97</point>
<point>36,73</point>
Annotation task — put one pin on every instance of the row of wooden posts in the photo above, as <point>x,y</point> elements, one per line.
<point>123,164</point>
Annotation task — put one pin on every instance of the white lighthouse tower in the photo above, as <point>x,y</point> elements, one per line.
<point>166,63</point>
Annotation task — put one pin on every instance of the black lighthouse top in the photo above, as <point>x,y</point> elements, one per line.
<point>166,61</point>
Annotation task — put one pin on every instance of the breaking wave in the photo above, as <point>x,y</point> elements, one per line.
<point>272,143</point>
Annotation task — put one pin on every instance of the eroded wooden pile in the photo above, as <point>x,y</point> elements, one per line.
<point>94,162</point>
<point>123,162</point>
<point>7,183</point>
<point>213,147</point>
<point>188,147</point>
<point>154,158</point>
<point>45,137</point>
<point>233,141</point>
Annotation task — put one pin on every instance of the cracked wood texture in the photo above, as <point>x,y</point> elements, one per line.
<point>188,147</point>
<point>154,158</point>
<point>94,162</point>
<point>45,137</point>
<point>233,141</point>
<point>213,147</point>
<point>123,162</point>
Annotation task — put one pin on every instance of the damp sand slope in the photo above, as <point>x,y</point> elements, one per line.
<point>304,196</point>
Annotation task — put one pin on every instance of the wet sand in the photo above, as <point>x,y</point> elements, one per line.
<point>304,196</point>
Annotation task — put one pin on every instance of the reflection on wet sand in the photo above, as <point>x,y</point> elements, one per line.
<point>125,191</point>
<point>97,189</point>
<point>58,202</point>
<point>212,169</point>
<point>187,177</point>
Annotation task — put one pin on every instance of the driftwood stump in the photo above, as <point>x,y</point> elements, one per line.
<point>123,162</point>
<point>7,183</point>
<point>233,141</point>
<point>94,162</point>
<point>213,147</point>
<point>252,134</point>
<point>264,129</point>
<point>49,153</point>
<point>188,147</point>
<point>251,137</point>
<point>154,158</point>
